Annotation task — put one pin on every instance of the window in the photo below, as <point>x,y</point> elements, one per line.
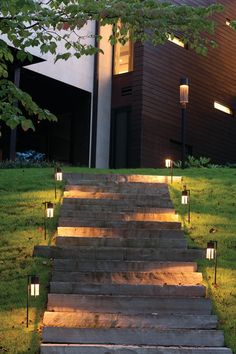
<point>176,40</point>
<point>123,58</point>
<point>223,108</point>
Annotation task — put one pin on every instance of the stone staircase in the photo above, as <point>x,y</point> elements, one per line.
<point>123,280</point>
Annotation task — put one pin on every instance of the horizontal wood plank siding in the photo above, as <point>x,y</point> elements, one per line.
<point>213,78</point>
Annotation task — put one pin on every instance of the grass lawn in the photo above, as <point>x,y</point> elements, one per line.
<point>22,192</point>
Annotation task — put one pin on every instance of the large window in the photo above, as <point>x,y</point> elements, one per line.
<point>123,58</point>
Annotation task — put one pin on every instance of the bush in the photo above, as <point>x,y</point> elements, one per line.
<point>200,162</point>
<point>28,159</point>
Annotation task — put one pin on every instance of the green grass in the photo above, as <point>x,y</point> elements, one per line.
<point>22,192</point>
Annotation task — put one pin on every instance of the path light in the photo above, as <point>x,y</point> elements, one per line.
<point>58,176</point>
<point>211,253</point>
<point>48,213</point>
<point>184,99</point>
<point>169,164</point>
<point>32,291</point>
<point>185,199</point>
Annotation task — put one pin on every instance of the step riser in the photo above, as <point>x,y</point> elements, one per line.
<point>136,337</point>
<point>117,266</point>
<point>119,242</point>
<point>131,279</point>
<point>118,189</point>
<point>130,290</point>
<point>71,206</point>
<point>155,203</point>
<point>102,349</point>
<point>122,232</point>
<point>156,225</point>
<point>124,254</point>
<point>92,320</point>
<point>64,303</point>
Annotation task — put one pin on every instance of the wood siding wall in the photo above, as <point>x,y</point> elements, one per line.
<point>210,132</point>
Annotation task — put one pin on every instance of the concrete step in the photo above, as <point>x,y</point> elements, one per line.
<point>124,203</point>
<point>69,265</point>
<point>127,289</point>
<point>177,337</point>
<point>74,178</point>
<point>161,190</point>
<point>153,225</point>
<point>149,198</point>
<point>128,304</point>
<point>116,253</point>
<point>121,232</point>
<point>131,278</point>
<point>121,242</point>
<point>127,349</point>
<point>68,205</point>
<point>118,216</point>
<point>118,320</point>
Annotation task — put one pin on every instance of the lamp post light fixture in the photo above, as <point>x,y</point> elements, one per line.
<point>185,199</point>
<point>48,213</point>
<point>169,164</point>
<point>184,99</point>
<point>211,253</point>
<point>58,176</point>
<point>32,290</point>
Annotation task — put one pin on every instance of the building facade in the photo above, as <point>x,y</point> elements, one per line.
<point>121,108</point>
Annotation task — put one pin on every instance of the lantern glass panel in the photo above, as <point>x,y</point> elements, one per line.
<point>50,212</point>
<point>184,94</point>
<point>210,253</point>
<point>34,289</point>
<point>168,163</point>
<point>184,199</point>
<point>58,176</point>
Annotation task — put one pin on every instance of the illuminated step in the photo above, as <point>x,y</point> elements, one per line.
<point>150,336</point>
<point>149,198</point>
<point>129,349</point>
<point>69,205</point>
<point>156,225</point>
<point>118,253</point>
<point>119,232</point>
<point>129,278</point>
<point>73,178</point>
<point>121,242</point>
<point>127,289</point>
<point>112,320</point>
<point>117,266</point>
<point>118,216</point>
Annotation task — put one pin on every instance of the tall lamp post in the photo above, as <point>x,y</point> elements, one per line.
<point>184,99</point>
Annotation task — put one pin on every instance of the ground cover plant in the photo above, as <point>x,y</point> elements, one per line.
<point>22,192</point>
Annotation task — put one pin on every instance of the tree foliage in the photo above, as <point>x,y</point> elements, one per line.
<point>46,23</point>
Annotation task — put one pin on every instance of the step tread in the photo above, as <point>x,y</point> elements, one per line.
<point>144,336</point>
<point>114,320</point>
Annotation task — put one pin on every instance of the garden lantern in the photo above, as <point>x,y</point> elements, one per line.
<point>48,213</point>
<point>185,199</point>
<point>211,254</point>
<point>58,176</point>
<point>169,164</point>
<point>32,291</point>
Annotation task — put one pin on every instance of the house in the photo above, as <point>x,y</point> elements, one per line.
<point>121,108</point>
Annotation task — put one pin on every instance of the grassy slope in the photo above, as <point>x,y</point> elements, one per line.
<point>22,193</point>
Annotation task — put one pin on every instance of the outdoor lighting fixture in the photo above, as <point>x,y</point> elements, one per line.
<point>169,164</point>
<point>184,99</point>
<point>185,199</point>
<point>33,291</point>
<point>211,253</point>
<point>58,177</point>
<point>48,213</point>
